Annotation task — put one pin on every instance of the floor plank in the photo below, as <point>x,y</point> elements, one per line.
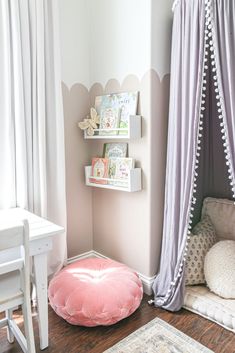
<point>65,338</point>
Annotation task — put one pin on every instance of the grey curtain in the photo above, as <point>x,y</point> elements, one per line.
<point>202,96</point>
<point>224,41</point>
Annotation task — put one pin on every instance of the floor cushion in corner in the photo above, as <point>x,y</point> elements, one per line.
<point>94,292</point>
<point>200,300</point>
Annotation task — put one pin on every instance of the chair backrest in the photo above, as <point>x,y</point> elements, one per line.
<point>11,235</point>
<point>15,236</point>
<point>15,282</point>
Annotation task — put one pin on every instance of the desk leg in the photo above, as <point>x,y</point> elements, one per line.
<point>40,271</point>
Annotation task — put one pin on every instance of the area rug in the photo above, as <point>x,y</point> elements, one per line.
<point>158,337</point>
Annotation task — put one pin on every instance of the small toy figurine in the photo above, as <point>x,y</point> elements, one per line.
<point>90,122</point>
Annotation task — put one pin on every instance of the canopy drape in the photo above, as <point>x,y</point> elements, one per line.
<point>223,15</point>
<point>203,45</point>
<point>32,129</point>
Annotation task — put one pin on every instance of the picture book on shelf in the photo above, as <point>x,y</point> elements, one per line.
<point>99,169</point>
<point>112,150</point>
<point>119,169</point>
<point>128,106</point>
<point>126,102</point>
<point>109,119</point>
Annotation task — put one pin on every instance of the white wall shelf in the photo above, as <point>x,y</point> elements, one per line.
<point>132,132</point>
<point>132,184</point>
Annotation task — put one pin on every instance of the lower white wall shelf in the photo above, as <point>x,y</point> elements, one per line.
<point>132,184</point>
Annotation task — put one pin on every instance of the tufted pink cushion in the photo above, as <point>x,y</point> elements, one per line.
<point>94,292</point>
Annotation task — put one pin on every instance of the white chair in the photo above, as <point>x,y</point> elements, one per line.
<point>15,282</point>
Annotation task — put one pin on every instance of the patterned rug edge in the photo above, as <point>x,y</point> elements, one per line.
<point>181,335</point>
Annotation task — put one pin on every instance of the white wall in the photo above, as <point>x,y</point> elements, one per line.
<point>101,39</point>
<point>161,13</point>
<point>75,41</point>
<point>120,39</point>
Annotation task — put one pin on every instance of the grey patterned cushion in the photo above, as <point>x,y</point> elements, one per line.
<point>201,240</point>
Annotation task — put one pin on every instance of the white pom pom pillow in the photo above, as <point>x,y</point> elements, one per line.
<point>202,238</point>
<point>219,269</point>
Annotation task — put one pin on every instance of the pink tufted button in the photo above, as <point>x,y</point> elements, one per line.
<point>94,292</point>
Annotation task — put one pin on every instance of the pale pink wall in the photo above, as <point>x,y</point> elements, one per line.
<point>77,155</point>
<point>161,28</point>
<point>159,124</point>
<point>121,220</point>
<point>126,227</point>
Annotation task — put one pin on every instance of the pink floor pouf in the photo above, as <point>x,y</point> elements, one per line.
<point>94,292</point>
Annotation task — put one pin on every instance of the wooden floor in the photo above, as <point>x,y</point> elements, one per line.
<point>65,338</point>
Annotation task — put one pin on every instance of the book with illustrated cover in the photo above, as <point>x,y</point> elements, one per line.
<point>109,119</point>
<point>99,169</point>
<point>128,106</point>
<point>126,102</point>
<point>119,169</point>
<point>112,150</point>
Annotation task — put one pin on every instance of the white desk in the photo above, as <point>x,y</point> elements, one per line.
<point>41,232</point>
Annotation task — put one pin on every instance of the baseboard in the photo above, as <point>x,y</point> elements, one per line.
<point>85,255</point>
<point>147,281</point>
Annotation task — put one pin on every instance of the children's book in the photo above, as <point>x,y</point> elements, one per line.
<point>126,102</point>
<point>119,169</point>
<point>99,169</point>
<point>128,106</point>
<point>114,150</point>
<point>109,119</point>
